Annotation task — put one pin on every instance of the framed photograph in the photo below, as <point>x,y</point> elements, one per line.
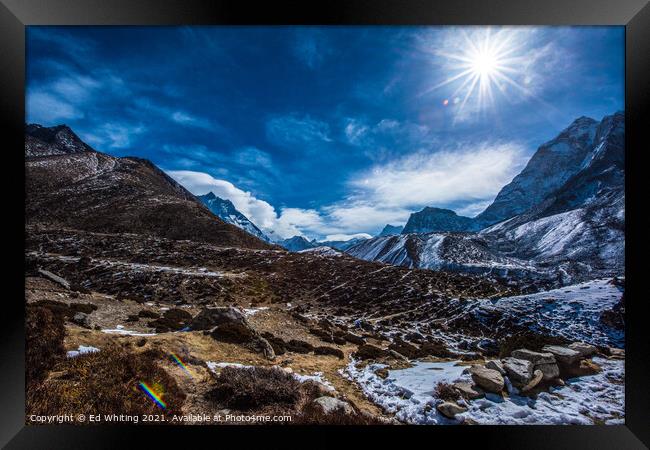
<point>390,218</point>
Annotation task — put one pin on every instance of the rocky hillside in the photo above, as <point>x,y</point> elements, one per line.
<point>226,211</point>
<point>438,220</point>
<point>70,185</point>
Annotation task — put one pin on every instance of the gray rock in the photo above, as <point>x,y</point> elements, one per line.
<point>497,365</point>
<point>209,318</point>
<point>563,355</point>
<point>468,390</point>
<point>55,278</point>
<point>329,405</point>
<point>537,377</point>
<point>449,409</point>
<point>584,349</point>
<point>534,357</point>
<point>81,319</point>
<point>489,379</point>
<point>520,371</point>
<point>549,371</point>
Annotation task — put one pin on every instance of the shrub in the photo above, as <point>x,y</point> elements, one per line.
<point>255,387</point>
<point>446,392</point>
<point>106,382</point>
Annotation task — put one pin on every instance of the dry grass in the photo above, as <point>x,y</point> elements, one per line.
<point>106,382</point>
<point>446,392</point>
<point>45,332</point>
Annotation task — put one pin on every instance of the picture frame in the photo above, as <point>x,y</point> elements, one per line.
<point>15,15</point>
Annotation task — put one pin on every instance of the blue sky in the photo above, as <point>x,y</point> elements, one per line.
<point>326,131</point>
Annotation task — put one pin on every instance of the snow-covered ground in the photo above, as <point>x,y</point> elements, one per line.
<point>83,349</point>
<point>119,329</point>
<point>410,395</point>
<point>572,311</point>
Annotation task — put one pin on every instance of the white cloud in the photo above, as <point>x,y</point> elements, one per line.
<point>464,174</point>
<point>258,211</point>
<point>187,119</point>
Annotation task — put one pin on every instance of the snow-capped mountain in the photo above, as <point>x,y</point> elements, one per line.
<point>438,220</point>
<point>297,243</point>
<point>342,245</point>
<point>549,168</point>
<point>572,231</point>
<point>391,230</point>
<point>226,211</point>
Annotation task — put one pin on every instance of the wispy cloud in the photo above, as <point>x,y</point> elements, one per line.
<point>293,129</point>
<point>311,47</point>
<point>113,135</point>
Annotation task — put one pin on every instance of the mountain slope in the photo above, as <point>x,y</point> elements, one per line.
<point>574,232</point>
<point>226,211</point>
<point>437,220</point>
<point>68,184</point>
<point>296,244</point>
<point>391,230</point>
<point>550,167</point>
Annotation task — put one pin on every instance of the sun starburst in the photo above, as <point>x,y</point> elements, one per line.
<point>483,66</point>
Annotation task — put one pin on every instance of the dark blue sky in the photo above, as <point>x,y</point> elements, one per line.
<point>326,131</point>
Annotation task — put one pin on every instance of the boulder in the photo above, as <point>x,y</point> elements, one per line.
<point>496,365</point>
<point>55,278</point>
<point>563,355</point>
<point>585,350</point>
<point>330,405</point>
<point>81,319</point>
<point>325,350</point>
<point>354,338</point>
<point>450,409</point>
<point>228,324</point>
<point>534,357</point>
<point>468,390</point>
<point>616,353</point>
<point>489,379</point>
<point>537,377</point>
<point>404,348</point>
<point>549,371</point>
<point>369,351</point>
<point>520,371</point>
<point>297,346</point>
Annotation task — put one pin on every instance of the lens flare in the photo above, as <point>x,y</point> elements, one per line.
<point>180,363</point>
<point>157,399</point>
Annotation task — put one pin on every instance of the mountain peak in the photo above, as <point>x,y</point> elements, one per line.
<point>432,219</point>
<point>390,230</point>
<point>51,141</point>
<point>226,211</point>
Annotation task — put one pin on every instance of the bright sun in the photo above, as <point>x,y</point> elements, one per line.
<point>482,64</point>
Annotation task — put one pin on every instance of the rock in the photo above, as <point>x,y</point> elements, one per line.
<point>616,353</point>
<point>520,371</point>
<point>369,351</point>
<point>488,346</point>
<point>228,324</point>
<point>537,377</point>
<point>450,409</point>
<point>584,367</point>
<point>404,348</point>
<point>549,371</point>
<point>534,357</point>
<point>397,355</point>
<point>324,350</point>
<point>297,346</point>
<point>354,338</point>
<point>584,349</point>
<point>329,405</point>
<point>55,278</point>
<point>496,365</point>
<point>468,390</point>
<point>382,373</point>
<point>563,355</point>
<point>278,344</point>
<point>489,379</point>
<point>210,317</point>
<point>81,319</point>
